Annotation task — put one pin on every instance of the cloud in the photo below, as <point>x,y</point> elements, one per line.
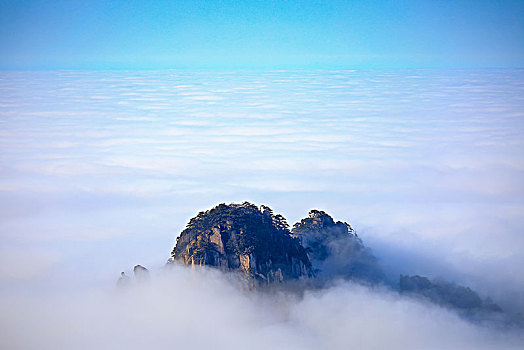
<point>25,264</point>
<point>201,308</point>
<point>403,156</point>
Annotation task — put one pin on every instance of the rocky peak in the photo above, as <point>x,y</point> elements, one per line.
<point>319,230</point>
<point>335,250</point>
<point>244,238</point>
<point>141,274</point>
<point>319,218</point>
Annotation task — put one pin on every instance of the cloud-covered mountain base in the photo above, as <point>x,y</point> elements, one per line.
<point>200,308</point>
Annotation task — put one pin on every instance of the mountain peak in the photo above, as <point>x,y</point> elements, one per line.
<point>245,238</point>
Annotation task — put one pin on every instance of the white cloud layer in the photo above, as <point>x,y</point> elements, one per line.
<point>202,309</point>
<point>101,170</point>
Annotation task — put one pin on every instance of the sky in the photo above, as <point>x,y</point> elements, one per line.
<point>251,34</point>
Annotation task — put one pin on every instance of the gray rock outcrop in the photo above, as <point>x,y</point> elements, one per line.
<point>243,238</point>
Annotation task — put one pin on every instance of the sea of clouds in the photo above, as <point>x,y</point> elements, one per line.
<point>100,171</point>
<point>204,308</point>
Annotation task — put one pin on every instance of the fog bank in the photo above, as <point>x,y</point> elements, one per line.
<point>204,308</point>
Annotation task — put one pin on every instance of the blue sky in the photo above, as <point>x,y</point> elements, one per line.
<point>260,34</point>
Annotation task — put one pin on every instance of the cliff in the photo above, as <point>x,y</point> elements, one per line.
<point>244,238</point>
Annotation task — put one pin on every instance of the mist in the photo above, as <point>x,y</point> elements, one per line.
<point>100,171</point>
<point>203,308</point>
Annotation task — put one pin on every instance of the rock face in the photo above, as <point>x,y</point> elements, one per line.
<point>244,238</point>
<point>141,274</point>
<point>335,250</point>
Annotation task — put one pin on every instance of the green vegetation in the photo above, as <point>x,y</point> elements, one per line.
<point>241,230</point>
